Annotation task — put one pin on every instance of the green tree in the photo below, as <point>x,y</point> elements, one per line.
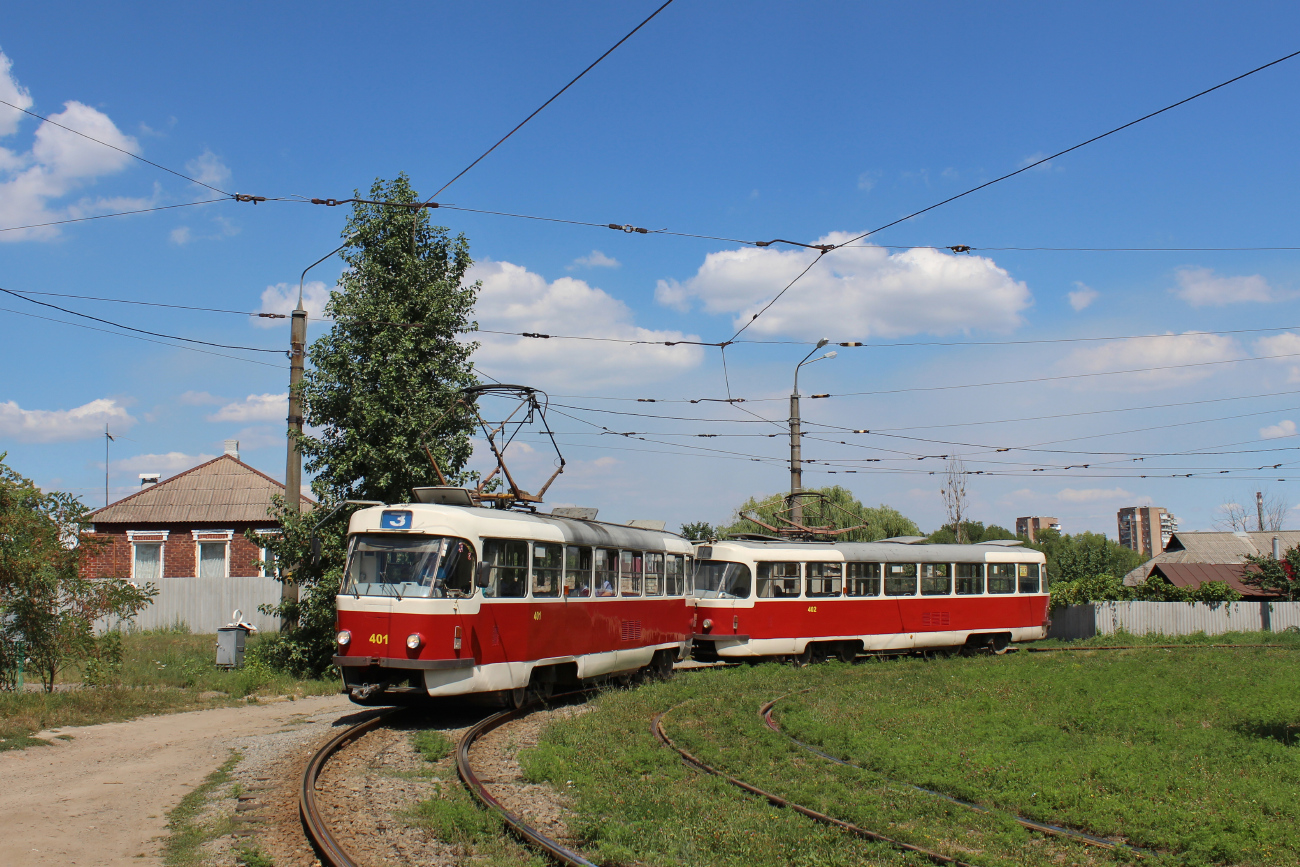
<point>47,608</point>
<point>1275,576</point>
<point>973,532</point>
<point>389,369</point>
<point>699,531</point>
<point>1084,555</point>
<point>838,509</point>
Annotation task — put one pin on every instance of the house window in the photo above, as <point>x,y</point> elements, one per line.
<point>212,559</point>
<point>146,563</point>
<point>269,568</point>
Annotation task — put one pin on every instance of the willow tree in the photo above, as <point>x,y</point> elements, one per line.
<point>387,372</point>
<point>835,507</point>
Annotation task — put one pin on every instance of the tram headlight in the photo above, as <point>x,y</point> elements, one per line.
<point>414,641</point>
<point>344,638</point>
<point>707,624</point>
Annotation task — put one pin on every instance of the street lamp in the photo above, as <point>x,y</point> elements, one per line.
<point>796,459</point>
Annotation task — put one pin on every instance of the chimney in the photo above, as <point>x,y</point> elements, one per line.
<point>232,448</point>
<point>1277,548</point>
<point>147,479</point>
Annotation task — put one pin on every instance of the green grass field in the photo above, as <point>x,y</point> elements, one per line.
<point>1193,754</point>
<point>162,672</point>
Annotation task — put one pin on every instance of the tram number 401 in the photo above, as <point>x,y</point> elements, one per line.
<point>378,639</point>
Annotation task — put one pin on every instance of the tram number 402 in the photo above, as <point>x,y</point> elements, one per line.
<point>378,639</point>
<point>812,609</point>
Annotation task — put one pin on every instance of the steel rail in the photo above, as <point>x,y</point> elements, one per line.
<point>657,730</point>
<point>765,714</point>
<point>330,850</point>
<point>527,833</point>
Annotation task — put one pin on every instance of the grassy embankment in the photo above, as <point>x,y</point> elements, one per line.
<point>162,672</point>
<point>1191,753</point>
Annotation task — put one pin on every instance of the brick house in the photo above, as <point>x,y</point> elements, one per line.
<point>186,535</point>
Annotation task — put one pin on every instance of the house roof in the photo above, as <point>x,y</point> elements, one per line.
<point>1195,574</point>
<point>225,490</point>
<point>1216,548</point>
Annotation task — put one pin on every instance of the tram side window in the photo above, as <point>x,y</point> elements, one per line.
<point>778,580</point>
<point>970,579</point>
<point>1028,575</point>
<point>1002,577</point>
<point>606,572</point>
<point>900,579</point>
<point>654,574</point>
<point>936,579</point>
<point>676,584</point>
<point>508,575</point>
<point>629,571</point>
<point>825,579</point>
<point>863,579</point>
<point>577,571</point>
<point>547,560</point>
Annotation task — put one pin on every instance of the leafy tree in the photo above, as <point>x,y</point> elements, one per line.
<point>699,531</point>
<point>47,608</point>
<point>1084,555</point>
<point>1108,588</point>
<point>839,509</point>
<point>1275,576</point>
<point>389,369</point>
<point>972,532</point>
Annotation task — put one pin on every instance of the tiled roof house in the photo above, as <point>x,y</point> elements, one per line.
<point>1191,559</point>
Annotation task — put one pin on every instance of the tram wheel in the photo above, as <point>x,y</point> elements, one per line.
<point>846,652</point>
<point>813,653</point>
<point>516,697</point>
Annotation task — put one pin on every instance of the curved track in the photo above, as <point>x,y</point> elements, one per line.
<point>765,714</point>
<point>332,854</point>
<point>517,825</point>
<point>656,729</point>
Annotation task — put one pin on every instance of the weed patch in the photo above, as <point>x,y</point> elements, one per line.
<point>187,830</point>
<point>432,744</point>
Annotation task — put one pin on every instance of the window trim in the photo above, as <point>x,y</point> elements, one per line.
<point>212,537</point>
<point>155,537</point>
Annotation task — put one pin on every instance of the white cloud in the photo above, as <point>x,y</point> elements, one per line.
<point>283,298</point>
<point>1201,287</point>
<point>867,181</point>
<point>596,259</point>
<point>181,236</point>
<point>1090,495</point>
<point>208,168</point>
<point>1287,343</point>
<point>1281,430</point>
<point>1191,347</point>
<point>856,292</point>
<point>251,438</point>
<point>515,299</point>
<point>167,464</point>
<point>255,407</point>
<point>1033,158</point>
<point>199,398</point>
<point>1082,296</point>
<point>61,425</point>
<point>58,163</point>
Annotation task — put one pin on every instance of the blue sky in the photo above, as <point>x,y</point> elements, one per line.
<point>752,121</point>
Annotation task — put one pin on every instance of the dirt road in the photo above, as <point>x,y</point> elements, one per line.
<point>102,797</point>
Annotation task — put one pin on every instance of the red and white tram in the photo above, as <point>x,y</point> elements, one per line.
<point>810,600</point>
<point>453,600</point>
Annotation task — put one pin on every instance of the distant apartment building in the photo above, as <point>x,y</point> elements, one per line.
<point>1030,526</point>
<point>1146,529</point>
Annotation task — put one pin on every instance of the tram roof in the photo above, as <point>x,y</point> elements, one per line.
<point>886,551</point>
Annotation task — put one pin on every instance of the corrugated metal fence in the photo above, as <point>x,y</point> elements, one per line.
<point>1172,618</point>
<point>203,604</point>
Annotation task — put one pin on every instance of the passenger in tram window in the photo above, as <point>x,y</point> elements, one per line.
<point>606,571</point>
<point>630,565</point>
<point>970,579</point>
<point>546,569</point>
<point>1002,577</point>
<point>577,571</point>
<point>863,579</point>
<point>825,579</point>
<point>936,579</point>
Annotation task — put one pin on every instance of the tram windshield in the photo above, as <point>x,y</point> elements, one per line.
<point>716,579</point>
<point>423,567</point>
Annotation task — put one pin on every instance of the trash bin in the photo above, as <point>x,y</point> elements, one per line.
<point>230,646</point>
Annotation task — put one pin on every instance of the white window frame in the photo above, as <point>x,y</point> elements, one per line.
<point>262,552</point>
<point>149,537</point>
<point>210,537</point>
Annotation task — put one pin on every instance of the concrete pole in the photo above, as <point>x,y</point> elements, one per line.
<point>1259,509</point>
<point>293,465</point>
<point>796,457</point>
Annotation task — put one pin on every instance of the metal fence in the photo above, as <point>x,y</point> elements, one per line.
<point>1172,618</point>
<point>203,604</point>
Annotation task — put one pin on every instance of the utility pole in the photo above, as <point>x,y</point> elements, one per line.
<point>796,449</point>
<point>108,438</point>
<point>293,466</point>
<point>1259,509</point>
